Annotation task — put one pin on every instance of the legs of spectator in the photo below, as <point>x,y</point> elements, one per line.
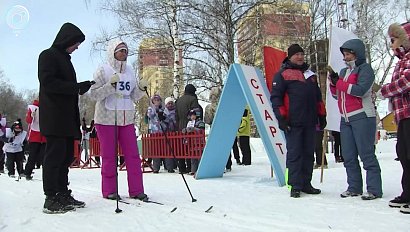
<point>236,151</point>
<point>245,149</point>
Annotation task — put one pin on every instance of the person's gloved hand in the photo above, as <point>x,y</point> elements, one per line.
<point>83,87</point>
<point>379,95</point>
<point>334,77</point>
<point>142,84</point>
<point>161,115</point>
<point>322,122</point>
<point>284,125</point>
<point>114,79</point>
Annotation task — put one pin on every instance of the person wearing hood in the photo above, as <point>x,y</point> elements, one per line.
<point>60,117</point>
<point>352,87</point>
<point>298,107</point>
<point>183,105</point>
<point>398,93</point>
<point>37,142</point>
<point>115,90</point>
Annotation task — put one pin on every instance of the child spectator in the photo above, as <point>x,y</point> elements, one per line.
<point>194,123</point>
<point>14,140</point>
<point>169,125</point>
<point>154,113</point>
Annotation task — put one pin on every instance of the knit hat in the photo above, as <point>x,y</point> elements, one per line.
<point>17,126</point>
<point>121,46</point>
<point>293,49</point>
<point>169,99</point>
<point>401,32</point>
<point>189,88</point>
<point>156,96</point>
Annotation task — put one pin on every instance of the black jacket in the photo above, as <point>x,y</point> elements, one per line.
<point>183,105</point>
<point>59,113</point>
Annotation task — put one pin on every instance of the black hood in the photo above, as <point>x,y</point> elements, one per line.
<point>68,35</point>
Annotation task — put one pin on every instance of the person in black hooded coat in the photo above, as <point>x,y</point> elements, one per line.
<point>183,105</point>
<point>60,118</point>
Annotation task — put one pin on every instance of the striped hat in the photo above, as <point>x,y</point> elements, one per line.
<point>121,46</point>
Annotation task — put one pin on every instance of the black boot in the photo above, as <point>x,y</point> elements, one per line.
<point>52,205</point>
<point>67,199</point>
<point>294,193</point>
<point>311,190</point>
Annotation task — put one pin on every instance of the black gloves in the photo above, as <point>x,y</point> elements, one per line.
<point>161,115</point>
<point>84,86</point>
<point>322,122</point>
<point>284,125</point>
<point>334,77</point>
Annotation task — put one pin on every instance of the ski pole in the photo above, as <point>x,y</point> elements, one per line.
<point>117,210</point>
<point>172,152</point>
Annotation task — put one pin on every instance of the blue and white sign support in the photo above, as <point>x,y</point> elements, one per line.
<point>244,85</point>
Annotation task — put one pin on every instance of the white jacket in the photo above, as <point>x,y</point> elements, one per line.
<point>102,90</point>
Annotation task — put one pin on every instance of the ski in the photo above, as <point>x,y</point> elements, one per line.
<point>209,209</point>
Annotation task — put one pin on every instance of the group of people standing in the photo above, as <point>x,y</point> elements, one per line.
<point>296,101</point>
<point>298,107</point>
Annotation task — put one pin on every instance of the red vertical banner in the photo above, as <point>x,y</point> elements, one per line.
<point>272,59</point>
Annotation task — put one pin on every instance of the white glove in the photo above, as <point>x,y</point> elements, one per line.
<point>379,95</point>
<point>114,78</point>
<point>142,84</point>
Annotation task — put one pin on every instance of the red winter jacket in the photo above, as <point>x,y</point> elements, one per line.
<point>34,135</point>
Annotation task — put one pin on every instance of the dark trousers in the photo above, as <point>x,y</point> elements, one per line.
<point>245,149</point>
<point>300,143</point>
<point>403,152</point>
<point>2,156</point>
<point>36,151</point>
<point>58,156</point>
<point>15,158</point>
<point>337,145</point>
<point>184,165</point>
<point>319,148</point>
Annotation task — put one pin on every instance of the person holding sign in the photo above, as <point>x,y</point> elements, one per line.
<point>352,87</point>
<point>298,107</point>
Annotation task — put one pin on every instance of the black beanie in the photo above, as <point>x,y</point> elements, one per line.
<point>293,49</point>
<point>189,88</point>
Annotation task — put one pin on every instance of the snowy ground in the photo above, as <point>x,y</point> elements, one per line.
<point>246,199</point>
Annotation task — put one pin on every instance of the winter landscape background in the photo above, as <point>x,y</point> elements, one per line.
<point>246,199</point>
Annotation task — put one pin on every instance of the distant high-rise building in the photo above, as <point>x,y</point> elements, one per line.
<point>155,64</point>
<point>277,26</point>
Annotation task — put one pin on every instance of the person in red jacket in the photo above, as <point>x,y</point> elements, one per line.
<point>37,142</point>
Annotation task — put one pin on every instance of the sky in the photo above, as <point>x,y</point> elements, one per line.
<point>20,48</point>
<point>246,199</point>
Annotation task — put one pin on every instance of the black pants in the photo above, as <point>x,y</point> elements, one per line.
<point>245,149</point>
<point>337,145</point>
<point>300,142</point>
<point>58,157</point>
<point>36,151</point>
<point>319,148</point>
<point>15,158</point>
<point>403,152</point>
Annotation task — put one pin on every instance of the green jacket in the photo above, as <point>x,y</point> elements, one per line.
<point>245,127</point>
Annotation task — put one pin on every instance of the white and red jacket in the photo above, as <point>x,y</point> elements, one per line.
<point>33,120</point>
